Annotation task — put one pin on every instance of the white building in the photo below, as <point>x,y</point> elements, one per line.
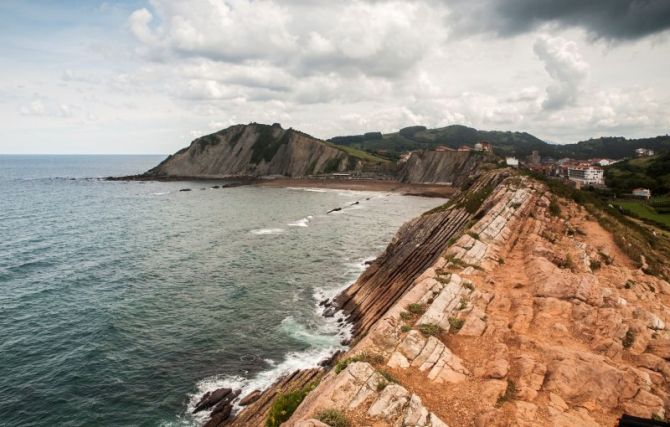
<point>512,161</point>
<point>644,152</point>
<point>644,193</point>
<point>586,175</point>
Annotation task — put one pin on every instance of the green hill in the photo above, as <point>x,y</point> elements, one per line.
<point>504,143</point>
<point>648,172</point>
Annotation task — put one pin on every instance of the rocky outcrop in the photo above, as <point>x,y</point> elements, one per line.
<point>446,167</point>
<point>513,323</point>
<point>259,150</point>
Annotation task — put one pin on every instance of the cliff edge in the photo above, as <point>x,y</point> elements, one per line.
<point>509,305</point>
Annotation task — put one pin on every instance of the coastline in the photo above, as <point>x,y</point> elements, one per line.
<point>354,184</point>
<point>500,302</point>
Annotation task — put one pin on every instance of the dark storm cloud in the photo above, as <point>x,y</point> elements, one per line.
<point>602,19</point>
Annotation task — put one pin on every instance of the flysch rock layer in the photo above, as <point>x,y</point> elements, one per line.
<point>520,321</point>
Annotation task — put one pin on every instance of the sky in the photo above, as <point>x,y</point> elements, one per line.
<point>149,76</point>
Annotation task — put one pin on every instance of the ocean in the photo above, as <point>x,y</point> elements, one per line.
<point>122,302</point>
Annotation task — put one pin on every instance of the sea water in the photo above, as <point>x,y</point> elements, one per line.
<point>122,302</point>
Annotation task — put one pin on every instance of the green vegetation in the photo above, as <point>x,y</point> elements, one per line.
<point>332,165</point>
<point>405,328</point>
<point>655,212</point>
<point>285,404</point>
<point>504,143</point>
<point>472,202</point>
<point>468,285</point>
<point>595,264</point>
<point>456,323</point>
<point>429,329</point>
<point>416,308</point>
<point>359,154</point>
<point>473,235</point>
<point>362,357</point>
<point>510,393</point>
<point>646,172</point>
<point>628,339</point>
<point>333,417</point>
<point>266,146</point>
<point>629,284</point>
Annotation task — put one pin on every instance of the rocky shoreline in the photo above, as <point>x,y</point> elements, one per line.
<point>507,306</point>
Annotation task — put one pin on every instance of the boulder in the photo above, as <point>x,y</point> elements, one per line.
<point>530,377</point>
<point>390,403</point>
<point>210,399</point>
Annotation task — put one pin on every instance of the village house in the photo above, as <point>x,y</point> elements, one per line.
<point>644,152</point>
<point>643,193</point>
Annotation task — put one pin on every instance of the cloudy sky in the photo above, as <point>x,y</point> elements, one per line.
<point>148,76</point>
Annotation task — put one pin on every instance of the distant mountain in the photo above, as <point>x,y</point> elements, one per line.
<point>260,150</point>
<point>646,172</point>
<point>504,142</point>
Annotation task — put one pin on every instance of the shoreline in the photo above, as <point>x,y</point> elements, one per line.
<point>353,184</point>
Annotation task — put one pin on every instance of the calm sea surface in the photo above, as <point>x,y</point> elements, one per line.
<point>120,301</point>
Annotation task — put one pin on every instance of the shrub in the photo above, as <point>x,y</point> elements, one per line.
<point>629,284</point>
<point>463,304</point>
<point>473,235</point>
<point>387,376</point>
<point>595,264</point>
<point>429,329</point>
<point>554,207</point>
<point>285,404</point>
<point>509,394</point>
<point>628,339</point>
<point>501,260</point>
<point>405,328</point>
<point>415,308</point>
<point>567,263</point>
<point>456,323</point>
<point>405,315</point>
<point>469,285</point>
<point>381,385</point>
<point>333,417</point>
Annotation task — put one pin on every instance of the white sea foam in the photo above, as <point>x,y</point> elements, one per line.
<point>324,341</point>
<point>160,193</point>
<point>262,231</point>
<point>312,190</point>
<point>303,222</point>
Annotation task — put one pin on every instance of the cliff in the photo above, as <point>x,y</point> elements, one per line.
<point>507,306</point>
<point>445,167</point>
<point>258,150</point>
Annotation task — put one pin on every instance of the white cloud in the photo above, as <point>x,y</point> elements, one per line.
<point>565,66</point>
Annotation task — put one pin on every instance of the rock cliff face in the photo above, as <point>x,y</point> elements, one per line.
<point>259,150</point>
<point>453,167</point>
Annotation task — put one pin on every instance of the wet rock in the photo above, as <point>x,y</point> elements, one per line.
<point>250,398</point>
<point>334,210</point>
<point>185,189</point>
<point>220,414</point>
<point>210,399</point>
<point>216,187</point>
<point>329,312</point>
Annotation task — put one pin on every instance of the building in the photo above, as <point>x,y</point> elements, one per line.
<point>601,162</point>
<point>512,161</point>
<point>484,146</point>
<point>586,175</point>
<point>643,193</point>
<point>534,158</point>
<point>644,152</point>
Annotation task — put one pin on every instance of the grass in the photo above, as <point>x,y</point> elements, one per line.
<point>456,323</point>
<point>463,304</point>
<point>405,328</point>
<point>416,309</point>
<point>509,394</point>
<point>429,329</point>
<point>285,404</point>
<point>359,154</point>
<point>644,211</point>
<point>333,417</point>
